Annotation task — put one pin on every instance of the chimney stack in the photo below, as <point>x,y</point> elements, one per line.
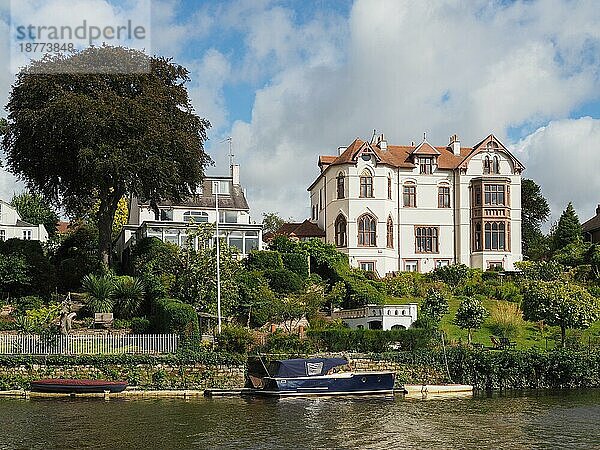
<point>235,173</point>
<point>454,145</point>
<point>382,143</point>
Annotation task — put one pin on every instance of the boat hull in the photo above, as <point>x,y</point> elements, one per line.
<point>62,386</point>
<point>376,383</point>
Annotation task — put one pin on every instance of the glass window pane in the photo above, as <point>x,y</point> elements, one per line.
<point>251,243</point>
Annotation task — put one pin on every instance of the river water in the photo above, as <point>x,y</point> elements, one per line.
<point>569,420</point>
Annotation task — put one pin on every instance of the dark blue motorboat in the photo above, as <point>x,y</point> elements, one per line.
<point>316,376</point>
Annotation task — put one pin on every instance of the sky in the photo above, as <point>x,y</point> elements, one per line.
<point>291,80</point>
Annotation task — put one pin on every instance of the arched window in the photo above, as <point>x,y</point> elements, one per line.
<point>495,236</point>
<point>390,233</point>
<point>496,166</point>
<point>340,231</point>
<point>487,165</point>
<point>410,195</point>
<point>367,231</point>
<point>366,184</point>
<point>340,185</point>
<point>195,216</point>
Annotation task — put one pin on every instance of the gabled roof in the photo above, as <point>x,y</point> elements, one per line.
<point>304,229</point>
<point>425,148</point>
<point>593,224</point>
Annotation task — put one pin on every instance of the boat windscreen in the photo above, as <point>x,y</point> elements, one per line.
<point>290,368</point>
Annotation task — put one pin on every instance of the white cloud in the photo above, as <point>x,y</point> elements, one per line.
<point>563,158</point>
<point>408,67</point>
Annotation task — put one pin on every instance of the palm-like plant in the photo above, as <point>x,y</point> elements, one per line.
<point>128,295</point>
<point>99,291</point>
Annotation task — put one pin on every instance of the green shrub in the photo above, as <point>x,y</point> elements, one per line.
<point>14,275</point>
<point>296,262</point>
<point>506,319</point>
<point>452,275</point>
<point>234,339</point>
<point>41,273</point>
<point>26,303</point>
<point>376,341</point>
<point>540,270</point>
<point>140,325</point>
<point>284,281</point>
<point>121,324</point>
<point>76,256</point>
<point>99,291</point>
<point>152,257</point>
<point>490,275</point>
<point>509,292</point>
<point>288,343</point>
<point>128,296</point>
<point>173,316</point>
<point>406,284</point>
<point>264,260</point>
<point>7,324</point>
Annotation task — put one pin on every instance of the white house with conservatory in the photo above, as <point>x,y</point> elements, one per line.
<point>170,222</point>
<point>417,207</point>
<point>13,227</point>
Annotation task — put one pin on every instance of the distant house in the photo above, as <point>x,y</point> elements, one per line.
<point>172,221</point>
<point>299,231</point>
<point>12,226</point>
<point>378,317</point>
<point>591,228</point>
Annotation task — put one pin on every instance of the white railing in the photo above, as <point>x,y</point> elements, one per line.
<point>89,344</point>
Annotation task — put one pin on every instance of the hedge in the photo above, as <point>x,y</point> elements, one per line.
<point>297,263</point>
<point>370,341</point>
<point>284,281</point>
<point>264,260</point>
<point>173,316</point>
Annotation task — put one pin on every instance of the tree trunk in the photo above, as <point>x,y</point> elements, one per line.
<point>563,333</point>
<point>469,336</point>
<point>106,216</point>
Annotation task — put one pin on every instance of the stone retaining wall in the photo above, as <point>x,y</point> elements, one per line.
<point>159,376</point>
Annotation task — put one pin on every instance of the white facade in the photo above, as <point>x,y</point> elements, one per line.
<point>429,205</point>
<point>378,317</point>
<point>171,222</point>
<point>12,227</point>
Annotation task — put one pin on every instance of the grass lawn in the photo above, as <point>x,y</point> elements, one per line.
<point>528,337</point>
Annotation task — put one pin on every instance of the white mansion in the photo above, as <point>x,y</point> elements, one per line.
<point>170,222</point>
<point>414,208</point>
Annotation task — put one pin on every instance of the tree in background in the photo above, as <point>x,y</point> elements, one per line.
<point>535,211</point>
<point>557,303</point>
<point>3,126</point>
<point>34,209</point>
<point>470,315</point>
<point>568,229</point>
<point>435,305</point>
<point>95,126</point>
<point>271,222</point>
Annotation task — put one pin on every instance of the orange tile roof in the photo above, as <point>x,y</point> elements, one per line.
<point>400,155</point>
<point>305,229</point>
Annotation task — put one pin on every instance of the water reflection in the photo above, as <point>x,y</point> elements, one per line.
<point>514,420</point>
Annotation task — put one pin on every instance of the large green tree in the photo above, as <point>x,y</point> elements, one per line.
<point>102,123</point>
<point>272,222</point>
<point>470,315</point>
<point>568,230</point>
<point>34,209</point>
<point>557,303</point>
<point>535,211</point>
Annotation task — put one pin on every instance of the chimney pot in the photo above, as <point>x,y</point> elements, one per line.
<point>454,145</point>
<point>598,210</point>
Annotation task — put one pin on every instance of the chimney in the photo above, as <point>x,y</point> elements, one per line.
<point>235,173</point>
<point>341,150</point>
<point>454,145</point>
<point>598,210</point>
<point>382,143</point>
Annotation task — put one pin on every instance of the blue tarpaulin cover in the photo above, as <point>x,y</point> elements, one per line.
<point>290,368</point>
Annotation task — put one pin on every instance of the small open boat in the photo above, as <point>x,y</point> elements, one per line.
<point>65,386</point>
<point>315,376</point>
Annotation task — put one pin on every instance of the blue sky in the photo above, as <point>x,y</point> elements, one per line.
<point>290,80</point>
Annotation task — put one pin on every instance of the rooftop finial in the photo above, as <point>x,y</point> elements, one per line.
<point>424,135</point>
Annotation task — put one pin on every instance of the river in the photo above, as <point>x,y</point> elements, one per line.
<point>566,419</point>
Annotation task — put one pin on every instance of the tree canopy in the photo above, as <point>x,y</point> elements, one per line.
<point>104,130</point>
<point>535,211</point>
<point>568,229</point>
<point>470,315</point>
<point>557,303</point>
<point>272,222</point>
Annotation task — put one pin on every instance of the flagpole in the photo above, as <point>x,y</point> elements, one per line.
<point>216,186</point>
